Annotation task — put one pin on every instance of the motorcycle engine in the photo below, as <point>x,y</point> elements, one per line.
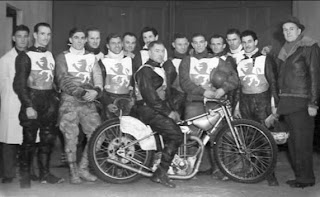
<point>179,166</point>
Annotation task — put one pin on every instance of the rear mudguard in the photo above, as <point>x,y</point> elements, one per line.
<point>139,130</point>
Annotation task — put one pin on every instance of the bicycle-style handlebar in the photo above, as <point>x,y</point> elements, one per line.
<point>219,101</point>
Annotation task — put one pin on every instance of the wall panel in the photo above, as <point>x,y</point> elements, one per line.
<point>171,16</point>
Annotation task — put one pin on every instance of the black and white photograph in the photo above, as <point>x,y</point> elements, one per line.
<point>159,98</point>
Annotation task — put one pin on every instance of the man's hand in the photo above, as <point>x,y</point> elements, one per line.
<point>273,110</point>
<point>31,113</point>
<point>237,113</point>
<point>209,94</point>
<point>312,111</point>
<point>90,95</point>
<point>112,108</point>
<point>219,93</point>
<point>175,116</point>
<point>266,50</point>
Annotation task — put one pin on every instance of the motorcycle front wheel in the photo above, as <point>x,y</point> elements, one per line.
<point>254,160</point>
<point>104,143</point>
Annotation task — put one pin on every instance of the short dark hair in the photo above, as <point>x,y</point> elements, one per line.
<point>218,36</point>
<point>233,31</point>
<point>197,35</point>
<point>20,28</point>
<point>129,34</point>
<point>154,43</point>
<point>91,29</point>
<point>112,35</point>
<point>179,35</point>
<point>75,30</point>
<point>36,27</point>
<point>146,29</point>
<point>249,33</point>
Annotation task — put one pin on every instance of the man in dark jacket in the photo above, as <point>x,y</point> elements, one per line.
<point>299,71</point>
<point>153,109</point>
<point>258,91</point>
<point>33,82</point>
<point>171,66</point>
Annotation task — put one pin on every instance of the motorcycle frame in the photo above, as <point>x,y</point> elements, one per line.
<point>225,112</point>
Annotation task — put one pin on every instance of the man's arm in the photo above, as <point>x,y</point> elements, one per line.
<point>20,82</point>
<point>270,75</point>
<point>186,84</point>
<point>312,61</point>
<point>148,92</point>
<point>66,82</point>
<point>171,73</point>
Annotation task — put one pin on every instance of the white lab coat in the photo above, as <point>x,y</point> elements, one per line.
<point>10,129</point>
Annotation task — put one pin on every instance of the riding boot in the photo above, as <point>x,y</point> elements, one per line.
<point>74,172</point>
<point>160,175</point>
<point>44,175</point>
<point>33,174</point>
<point>25,164</point>
<point>83,167</point>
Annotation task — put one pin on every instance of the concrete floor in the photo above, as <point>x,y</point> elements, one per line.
<point>201,186</point>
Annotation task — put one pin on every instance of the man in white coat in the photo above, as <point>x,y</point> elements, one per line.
<point>10,129</point>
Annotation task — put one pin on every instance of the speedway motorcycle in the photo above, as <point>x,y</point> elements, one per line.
<point>124,149</point>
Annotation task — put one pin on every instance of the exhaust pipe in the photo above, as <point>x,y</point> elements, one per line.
<point>139,171</point>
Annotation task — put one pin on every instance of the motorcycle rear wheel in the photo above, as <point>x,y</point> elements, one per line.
<point>104,143</point>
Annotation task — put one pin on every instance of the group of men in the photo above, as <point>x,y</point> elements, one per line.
<point>80,87</point>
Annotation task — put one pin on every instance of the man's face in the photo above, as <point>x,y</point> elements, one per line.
<point>291,31</point>
<point>78,40</point>
<point>149,37</point>
<point>94,39</point>
<point>249,44</point>
<point>233,41</point>
<point>42,37</point>
<point>21,40</point>
<point>129,43</point>
<point>115,45</point>
<point>156,53</point>
<point>217,45</point>
<point>199,44</point>
<point>181,45</point>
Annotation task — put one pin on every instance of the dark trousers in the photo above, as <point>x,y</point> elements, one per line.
<point>300,144</point>
<point>167,128</point>
<point>9,160</point>
<point>46,104</point>
<point>255,107</point>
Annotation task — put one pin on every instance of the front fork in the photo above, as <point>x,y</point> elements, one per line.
<point>234,131</point>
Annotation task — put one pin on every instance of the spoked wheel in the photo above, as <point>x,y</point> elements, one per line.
<point>105,143</point>
<point>256,158</point>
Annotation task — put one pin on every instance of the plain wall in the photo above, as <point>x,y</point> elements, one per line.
<point>29,13</point>
<point>309,15</point>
